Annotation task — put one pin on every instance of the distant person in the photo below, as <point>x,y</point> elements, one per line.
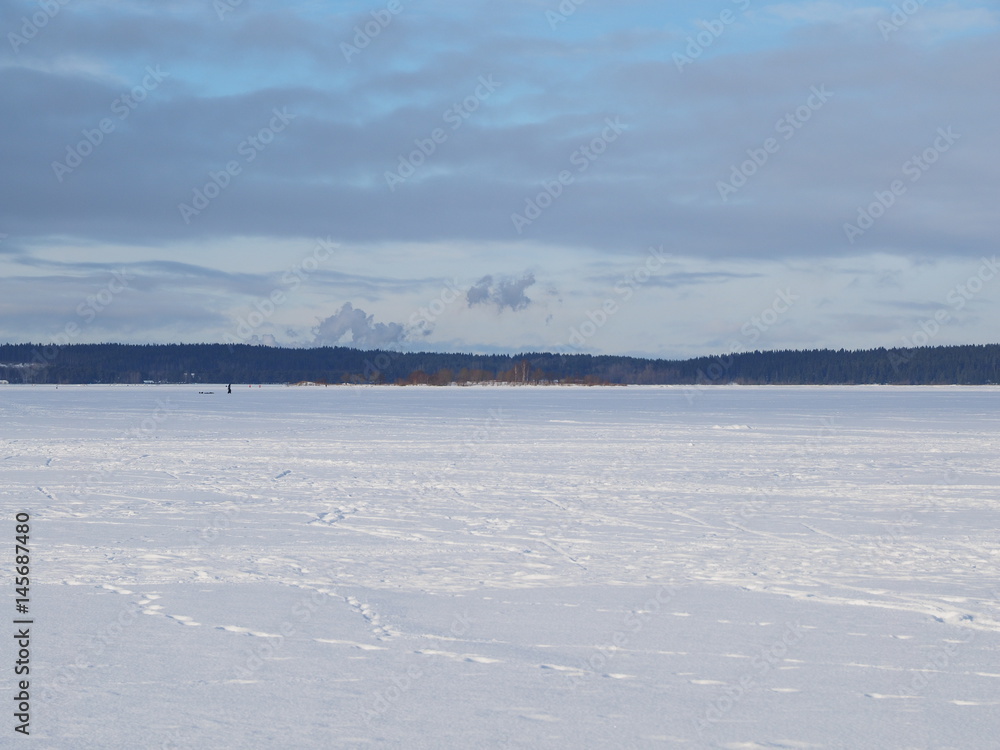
<point>229,388</point>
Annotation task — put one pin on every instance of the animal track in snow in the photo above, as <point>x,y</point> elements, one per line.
<point>246,631</point>
<point>560,668</point>
<point>116,589</point>
<point>371,616</point>
<point>184,620</point>
<point>335,516</point>
<point>156,609</point>
<point>352,644</point>
<point>475,658</point>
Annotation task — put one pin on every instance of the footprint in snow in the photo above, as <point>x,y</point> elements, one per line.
<point>327,519</point>
<point>116,589</point>
<point>246,631</point>
<point>184,620</point>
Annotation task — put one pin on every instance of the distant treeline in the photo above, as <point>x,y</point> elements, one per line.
<point>222,363</point>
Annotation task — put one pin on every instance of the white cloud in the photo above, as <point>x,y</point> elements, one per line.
<point>351,326</point>
<point>507,292</point>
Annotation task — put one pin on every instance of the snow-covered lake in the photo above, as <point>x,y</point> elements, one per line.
<point>502,567</point>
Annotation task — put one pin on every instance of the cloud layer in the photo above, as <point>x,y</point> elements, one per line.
<point>474,141</point>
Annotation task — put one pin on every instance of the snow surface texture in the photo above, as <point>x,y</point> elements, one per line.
<point>491,567</point>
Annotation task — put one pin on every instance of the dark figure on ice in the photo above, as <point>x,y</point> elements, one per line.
<point>229,388</point>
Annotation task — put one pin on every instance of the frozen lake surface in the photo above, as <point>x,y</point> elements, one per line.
<point>502,567</point>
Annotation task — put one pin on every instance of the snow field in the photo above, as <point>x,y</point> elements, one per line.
<point>366,567</point>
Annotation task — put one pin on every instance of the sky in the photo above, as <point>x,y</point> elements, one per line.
<point>599,176</point>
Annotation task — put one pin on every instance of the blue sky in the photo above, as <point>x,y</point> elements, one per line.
<point>660,179</point>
